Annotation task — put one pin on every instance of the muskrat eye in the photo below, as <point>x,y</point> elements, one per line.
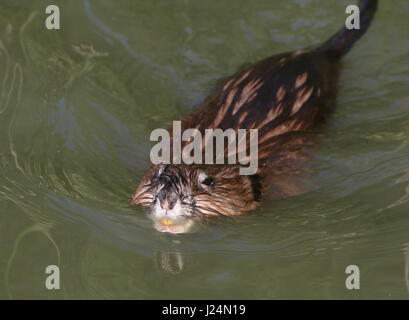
<point>208,181</point>
<point>205,180</point>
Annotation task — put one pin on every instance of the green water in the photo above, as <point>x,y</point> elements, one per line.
<point>77,106</point>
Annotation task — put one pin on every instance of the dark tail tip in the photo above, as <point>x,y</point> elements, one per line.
<point>340,43</point>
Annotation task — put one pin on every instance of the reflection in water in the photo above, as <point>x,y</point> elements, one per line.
<point>169,261</point>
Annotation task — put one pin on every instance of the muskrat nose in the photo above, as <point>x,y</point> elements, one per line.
<point>167,204</point>
<point>167,200</point>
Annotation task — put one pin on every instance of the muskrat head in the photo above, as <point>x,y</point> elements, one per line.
<point>177,196</point>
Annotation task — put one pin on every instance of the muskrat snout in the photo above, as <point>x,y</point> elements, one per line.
<point>169,216</point>
<point>170,208</point>
<point>167,200</point>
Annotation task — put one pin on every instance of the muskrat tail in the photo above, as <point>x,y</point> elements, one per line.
<point>341,42</point>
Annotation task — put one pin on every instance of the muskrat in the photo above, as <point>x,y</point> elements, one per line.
<point>281,97</point>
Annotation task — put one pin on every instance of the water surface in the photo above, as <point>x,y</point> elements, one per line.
<point>77,106</point>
